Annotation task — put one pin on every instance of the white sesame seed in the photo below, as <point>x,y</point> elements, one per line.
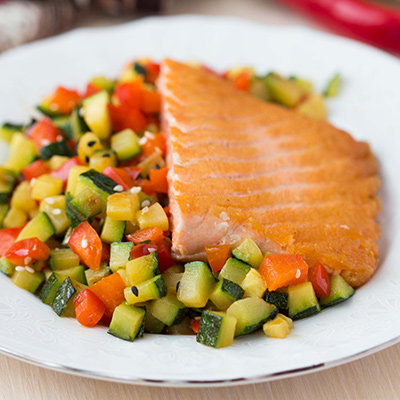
<point>56,211</point>
<point>27,260</point>
<point>30,269</point>
<point>298,274</point>
<point>50,200</point>
<point>19,268</point>
<point>142,140</point>
<point>145,209</point>
<point>145,203</point>
<point>151,250</point>
<point>118,188</point>
<point>32,182</point>
<point>135,189</point>
<point>149,135</point>
<point>84,243</point>
<point>45,142</point>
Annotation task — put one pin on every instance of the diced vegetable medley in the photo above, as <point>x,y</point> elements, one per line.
<point>86,224</point>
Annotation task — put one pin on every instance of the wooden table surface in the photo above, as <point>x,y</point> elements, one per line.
<point>375,377</point>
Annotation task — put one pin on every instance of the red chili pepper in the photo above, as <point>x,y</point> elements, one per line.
<point>120,176</point>
<point>7,239</point>
<point>34,170</point>
<point>63,171</point>
<point>320,280</point>
<point>89,309</point>
<point>373,23</point>
<point>27,251</point>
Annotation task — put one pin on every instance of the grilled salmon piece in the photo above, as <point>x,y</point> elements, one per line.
<point>240,167</point>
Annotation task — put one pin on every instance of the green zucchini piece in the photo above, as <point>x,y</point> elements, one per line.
<point>225,293</point>
<point>40,226</point>
<point>87,203</point>
<point>26,280</point>
<point>171,279</point>
<point>119,254</point>
<point>169,310</point>
<point>183,328</point>
<point>55,149</point>
<point>234,270</point>
<point>96,114</point>
<point>61,259</point>
<point>151,289</point>
<point>216,329</point>
<point>279,299</point>
<point>142,269</point>
<point>8,130</point>
<point>46,109</point>
<point>127,322</point>
<point>305,85</point>
<point>249,253</point>
<point>75,273</point>
<point>76,125</point>
<point>6,267</point>
<point>63,302</point>
<point>302,301</point>
<point>333,87</point>
<point>196,284</point>
<point>283,91</point>
<point>101,82</point>
<point>73,215</point>
<point>126,144</point>
<point>139,69</point>
<point>259,89</point>
<point>151,323</point>
<point>251,314</point>
<point>7,183</point>
<point>22,153</point>
<point>113,230</point>
<point>93,277</point>
<point>340,291</point>
<point>4,208</point>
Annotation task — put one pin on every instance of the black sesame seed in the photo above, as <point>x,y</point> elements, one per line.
<point>91,143</point>
<point>106,155</point>
<point>177,285</point>
<point>157,166</point>
<point>135,291</point>
<point>87,159</point>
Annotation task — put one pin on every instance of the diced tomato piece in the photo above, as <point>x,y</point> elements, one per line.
<point>110,290</point>
<point>64,100</point>
<point>195,324</point>
<point>217,256</point>
<point>130,94</point>
<point>146,186</point>
<point>123,117</point>
<point>164,255</point>
<point>91,90</point>
<point>152,71</point>
<point>242,81</point>
<point>63,171</point>
<point>133,172</point>
<point>27,251</point>
<point>89,309</point>
<point>43,133</point>
<point>154,234</point>
<point>158,180</point>
<point>279,270</point>
<point>320,280</point>
<point>105,253</point>
<point>154,141</point>
<point>151,102</point>
<point>7,239</point>
<point>120,176</point>
<point>142,250</point>
<point>34,170</point>
<point>85,242</point>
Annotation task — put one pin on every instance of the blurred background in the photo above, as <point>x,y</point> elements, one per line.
<point>376,22</point>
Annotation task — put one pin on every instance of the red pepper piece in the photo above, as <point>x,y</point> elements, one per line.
<point>120,176</point>
<point>7,239</point>
<point>43,133</point>
<point>89,309</point>
<point>27,251</point>
<point>34,170</point>
<point>320,280</point>
<point>142,250</point>
<point>63,171</point>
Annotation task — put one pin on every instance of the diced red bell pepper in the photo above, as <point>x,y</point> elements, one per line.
<point>152,71</point>
<point>154,234</point>
<point>195,324</point>
<point>242,81</point>
<point>34,170</point>
<point>164,255</point>
<point>130,94</point>
<point>89,309</point>
<point>151,102</point>
<point>142,250</point>
<point>27,251</point>
<point>320,280</point>
<point>85,242</point>
<point>63,171</point>
<point>43,133</point>
<point>217,256</point>
<point>154,141</point>
<point>120,176</point>
<point>279,270</point>
<point>110,290</point>
<point>158,180</point>
<point>133,172</point>
<point>123,117</point>
<point>64,100</point>
<point>146,186</point>
<point>7,239</point>
<point>105,253</point>
<point>91,90</point>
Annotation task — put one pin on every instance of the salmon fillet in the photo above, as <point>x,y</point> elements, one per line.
<point>240,167</point>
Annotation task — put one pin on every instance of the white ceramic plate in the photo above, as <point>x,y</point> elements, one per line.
<point>368,107</point>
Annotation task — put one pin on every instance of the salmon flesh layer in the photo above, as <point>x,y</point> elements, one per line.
<point>240,167</point>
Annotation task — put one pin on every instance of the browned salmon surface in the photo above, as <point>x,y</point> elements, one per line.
<point>240,167</point>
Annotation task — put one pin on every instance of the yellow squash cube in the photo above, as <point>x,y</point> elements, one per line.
<point>123,206</point>
<point>152,216</point>
<point>74,173</point>
<point>22,198</point>
<point>15,217</point>
<point>46,186</point>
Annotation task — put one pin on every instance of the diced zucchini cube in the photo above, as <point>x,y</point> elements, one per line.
<point>22,198</point>
<point>225,293</point>
<point>234,270</point>
<point>54,207</point>
<point>56,148</point>
<point>93,277</point>
<point>74,173</point>
<point>14,218</point>
<point>155,160</point>
<point>96,114</point>
<point>113,230</point>
<point>302,301</point>
<point>279,299</point>
<point>8,130</point>
<point>142,269</point>
<point>119,254</point>
<point>50,288</point>
<point>216,329</point>
<point>313,106</point>
<point>123,206</point>
<point>149,290</point>
<point>152,216</point>
<point>152,324</point>
<point>127,322</point>
<point>249,253</point>
<point>125,144</point>
<point>183,328</point>
<point>4,208</point>
<point>63,302</point>
<point>102,159</point>
<point>22,153</point>
<point>87,203</point>
<point>40,227</point>
<point>340,291</point>
<point>26,280</point>
<point>6,267</point>
<point>172,278</point>
<point>56,162</point>
<point>61,259</point>
<point>283,90</point>
<point>169,310</point>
